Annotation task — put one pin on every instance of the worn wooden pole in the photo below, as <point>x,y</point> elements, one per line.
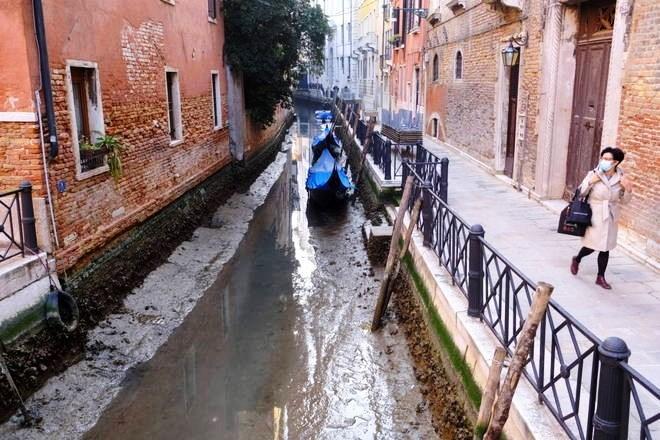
<point>488,398</point>
<point>414,217</point>
<point>392,255</point>
<point>365,150</point>
<point>523,348</point>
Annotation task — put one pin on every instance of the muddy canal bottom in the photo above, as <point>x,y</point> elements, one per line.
<point>279,347</point>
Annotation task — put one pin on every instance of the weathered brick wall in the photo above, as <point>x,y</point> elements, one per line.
<point>639,125</point>
<point>468,114</point>
<point>20,156</point>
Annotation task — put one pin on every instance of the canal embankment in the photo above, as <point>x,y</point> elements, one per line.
<point>102,283</point>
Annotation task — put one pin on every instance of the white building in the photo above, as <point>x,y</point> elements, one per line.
<point>340,74</point>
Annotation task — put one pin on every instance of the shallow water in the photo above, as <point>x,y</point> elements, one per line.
<point>279,346</point>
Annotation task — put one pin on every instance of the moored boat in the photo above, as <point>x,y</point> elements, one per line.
<point>327,182</point>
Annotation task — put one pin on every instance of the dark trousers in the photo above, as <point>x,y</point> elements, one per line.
<point>603,258</point>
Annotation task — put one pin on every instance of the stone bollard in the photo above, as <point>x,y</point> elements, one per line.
<point>27,217</point>
<point>613,400</point>
<point>475,271</point>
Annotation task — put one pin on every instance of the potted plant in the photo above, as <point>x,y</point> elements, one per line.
<point>395,39</point>
<point>113,149</point>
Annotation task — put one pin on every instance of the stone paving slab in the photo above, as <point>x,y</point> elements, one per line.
<point>524,231</point>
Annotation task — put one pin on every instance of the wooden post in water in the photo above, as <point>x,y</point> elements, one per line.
<point>392,256</point>
<point>523,347</point>
<point>487,400</point>
<point>365,150</point>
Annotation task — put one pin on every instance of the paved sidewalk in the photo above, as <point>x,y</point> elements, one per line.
<point>525,232</point>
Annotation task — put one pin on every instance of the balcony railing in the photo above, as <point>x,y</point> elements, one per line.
<point>17,224</point>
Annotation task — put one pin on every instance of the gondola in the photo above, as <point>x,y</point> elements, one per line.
<point>327,183</point>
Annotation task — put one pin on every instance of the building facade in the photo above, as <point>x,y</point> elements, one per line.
<point>368,50</point>
<point>340,73</point>
<point>151,75</point>
<point>406,78</point>
<point>585,78</point>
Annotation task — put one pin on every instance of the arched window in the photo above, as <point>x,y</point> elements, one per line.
<point>436,68</point>
<point>459,65</point>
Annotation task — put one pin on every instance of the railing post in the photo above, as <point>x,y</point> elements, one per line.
<point>27,217</point>
<point>387,160</point>
<point>475,271</point>
<point>613,401</point>
<point>427,213</point>
<point>404,172</point>
<point>444,178</point>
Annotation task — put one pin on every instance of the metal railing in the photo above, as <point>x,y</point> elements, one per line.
<point>17,224</point>
<point>586,383</point>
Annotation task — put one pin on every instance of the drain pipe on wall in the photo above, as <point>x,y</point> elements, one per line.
<point>46,177</point>
<point>44,70</point>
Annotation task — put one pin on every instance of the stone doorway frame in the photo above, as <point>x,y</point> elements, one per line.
<point>502,107</point>
<point>556,90</point>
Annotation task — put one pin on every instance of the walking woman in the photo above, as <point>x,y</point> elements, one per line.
<point>608,188</point>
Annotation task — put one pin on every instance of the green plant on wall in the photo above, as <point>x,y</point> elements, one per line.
<point>113,148</point>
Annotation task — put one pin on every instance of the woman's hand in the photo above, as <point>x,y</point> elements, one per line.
<point>626,183</point>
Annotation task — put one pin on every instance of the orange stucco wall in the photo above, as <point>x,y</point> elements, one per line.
<point>19,70</point>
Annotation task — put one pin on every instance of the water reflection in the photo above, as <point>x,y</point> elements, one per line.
<point>279,347</point>
<point>220,372</point>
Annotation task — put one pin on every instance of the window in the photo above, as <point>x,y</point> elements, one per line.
<point>173,106</point>
<point>434,127</point>
<point>213,9</point>
<point>436,68</point>
<point>459,65</point>
<point>86,113</point>
<point>217,100</point>
<point>419,17</point>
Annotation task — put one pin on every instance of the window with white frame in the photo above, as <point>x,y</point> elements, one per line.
<point>217,100</point>
<point>213,9</point>
<point>86,116</point>
<point>173,105</point>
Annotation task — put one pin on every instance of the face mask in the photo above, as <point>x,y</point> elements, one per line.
<point>605,165</point>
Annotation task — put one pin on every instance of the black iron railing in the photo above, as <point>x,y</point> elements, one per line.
<point>585,382</point>
<point>17,224</point>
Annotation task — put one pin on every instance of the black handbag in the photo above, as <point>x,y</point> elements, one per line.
<point>569,228</point>
<point>580,211</point>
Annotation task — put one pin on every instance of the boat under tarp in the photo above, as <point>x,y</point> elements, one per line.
<point>327,182</point>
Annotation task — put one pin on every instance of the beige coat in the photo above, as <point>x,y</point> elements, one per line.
<point>605,200</point>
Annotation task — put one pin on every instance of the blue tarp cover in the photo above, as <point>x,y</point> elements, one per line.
<point>319,175</point>
<point>323,114</point>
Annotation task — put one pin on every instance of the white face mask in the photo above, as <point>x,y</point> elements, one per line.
<point>605,165</point>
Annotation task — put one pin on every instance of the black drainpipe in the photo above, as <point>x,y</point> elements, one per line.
<point>44,68</point>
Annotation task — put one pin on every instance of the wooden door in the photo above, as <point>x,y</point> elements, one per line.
<point>511,122</point>
<point>592,59</point>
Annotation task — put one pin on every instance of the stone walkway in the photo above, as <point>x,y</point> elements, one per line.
<point>524,231</point>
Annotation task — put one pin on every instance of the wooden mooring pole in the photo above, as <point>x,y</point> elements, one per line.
<point>523,348</point>
<point>488,398</point>
<point>365,150</point>
<point>383,295</point>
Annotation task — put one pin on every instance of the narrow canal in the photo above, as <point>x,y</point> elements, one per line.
<point>279,347</point>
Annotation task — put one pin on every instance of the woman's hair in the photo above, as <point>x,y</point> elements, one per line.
<point>617,153</point>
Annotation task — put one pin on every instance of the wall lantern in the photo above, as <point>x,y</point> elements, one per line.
<point>510,55</point>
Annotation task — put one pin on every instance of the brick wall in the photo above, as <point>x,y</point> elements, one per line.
<point>20,156</point>
<point>467,106</point>
<point>639,125</point>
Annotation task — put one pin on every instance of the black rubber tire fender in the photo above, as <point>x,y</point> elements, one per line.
<point>62,310</point>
